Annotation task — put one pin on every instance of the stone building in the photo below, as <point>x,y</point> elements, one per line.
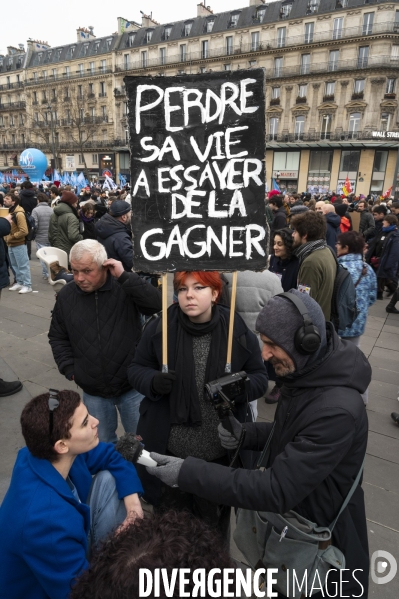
<point>331,69</point>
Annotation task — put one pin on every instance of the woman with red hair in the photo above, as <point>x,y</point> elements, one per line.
<point>175,416</point>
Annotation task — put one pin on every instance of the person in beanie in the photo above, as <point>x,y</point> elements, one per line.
<point>318,442</point>
<point>113,231</point>
<point>64,223</point>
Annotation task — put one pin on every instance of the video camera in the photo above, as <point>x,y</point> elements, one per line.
<point>223,391</point>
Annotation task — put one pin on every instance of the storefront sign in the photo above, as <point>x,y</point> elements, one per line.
<point>285,174</point>
<point>198,173</point>
<point>385,134</point>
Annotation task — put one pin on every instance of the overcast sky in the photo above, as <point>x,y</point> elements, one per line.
<point>56,22</point>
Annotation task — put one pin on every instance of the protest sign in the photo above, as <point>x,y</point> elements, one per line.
<point>197,171</point>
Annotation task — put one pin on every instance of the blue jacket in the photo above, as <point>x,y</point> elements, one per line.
<point>333,229</point>
<point>389,262</point>
<point>366,292</point>
<point>43,540</point>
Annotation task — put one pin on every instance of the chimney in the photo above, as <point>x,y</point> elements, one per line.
<point>203,11</point>
<point>148,21</point>
<point>256,2</point>
<point>84,34</point>
<point>125,25</point>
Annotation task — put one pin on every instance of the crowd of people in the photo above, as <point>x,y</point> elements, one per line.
<point>72,522</point>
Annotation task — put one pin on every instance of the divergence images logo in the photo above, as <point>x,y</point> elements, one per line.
<point>379,565</point>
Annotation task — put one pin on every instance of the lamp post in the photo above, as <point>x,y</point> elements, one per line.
<point>52,135</point>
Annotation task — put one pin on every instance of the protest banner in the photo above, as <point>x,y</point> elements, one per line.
<point>197,171</point>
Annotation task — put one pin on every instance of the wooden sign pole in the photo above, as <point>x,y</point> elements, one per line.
<point>231,322</point>
<point>165,322</point>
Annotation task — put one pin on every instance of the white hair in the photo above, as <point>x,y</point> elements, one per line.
<point>89,246</point>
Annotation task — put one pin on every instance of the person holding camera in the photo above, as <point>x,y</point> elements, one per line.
<point>175,416</point>
<point>313,454</point>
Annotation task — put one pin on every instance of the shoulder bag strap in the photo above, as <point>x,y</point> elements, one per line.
<point>348,497</point>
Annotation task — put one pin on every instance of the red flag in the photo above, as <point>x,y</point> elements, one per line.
<point>347,187</point>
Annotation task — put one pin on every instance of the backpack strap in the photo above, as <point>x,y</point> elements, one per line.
<point>348,497</point>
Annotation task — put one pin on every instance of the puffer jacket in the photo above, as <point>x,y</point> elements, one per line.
<point>366,292</point>
<point>64,227</point>
<point>367,224</point>
<point>42,214</point>
<point>317,449</point>
<point>94,335</point>
<point>115,237</point>
<point>19,228</point>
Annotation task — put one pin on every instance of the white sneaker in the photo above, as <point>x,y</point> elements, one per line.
<point>15,287</point>
<point>25,289</point>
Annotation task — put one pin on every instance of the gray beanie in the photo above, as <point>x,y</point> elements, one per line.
<point>119,208</point>
<point>280,319</point>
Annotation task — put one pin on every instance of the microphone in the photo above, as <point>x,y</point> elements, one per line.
<point>131,448</point>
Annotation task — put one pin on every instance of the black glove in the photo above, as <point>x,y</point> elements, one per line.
<point>162,382</point>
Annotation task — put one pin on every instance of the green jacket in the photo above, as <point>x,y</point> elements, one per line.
<point>318,271</point>
<point>63,232</point>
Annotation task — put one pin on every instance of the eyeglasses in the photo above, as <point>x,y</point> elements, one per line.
<point>53,403</point>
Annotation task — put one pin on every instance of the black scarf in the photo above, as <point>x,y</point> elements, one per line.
<point>184,401</point>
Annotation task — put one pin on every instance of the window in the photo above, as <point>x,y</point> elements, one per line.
<point>54,73</point>
<point>234,19</point>
<point>81,114</point>
<point>144,59</point>
<point>167,32</point>
<point>23,139</point>
<point>359,86</point>
<point>94,158</point>
<point>255,42</point>
<point>227,67</point>
<point>103,92</point>
<point>80,68</point>
<point>273,127</point>
<point>126,61</point>
<point>80,91</point>
<point>162,55</point>
<point>209,25</point>
<point>103,66</point>
<point>309,31</point>
<point>354,123</point>
<point>379,167</point>
<point>109,42</point>
<point>326,121</point>
<point>35,76</point>
<point>85,49</point>
<point>91,68</point>
<point>148,35</point>
<point>44,74</point>
<point>333,60</point>
<point>337,28</point>
<point>330,88</point>
<point>385,120</point>
<point>104,113</point>
<point>299,126</point>
<point>313,6</point>
<point>204,49</point>
<point>229,45</point>
<point>36,117</point>
<point>53,94</point>
<point>260,13</point>
<point>390,88</point>
<point>252,63</point>
<point>34,97</point>
<point>66,92</point>
<point>67,71</point>
<point>363,57</point>
<point>281,33</point>
<point>275,92</point>
<point>125,109</point>
<point>368,20</point>
<point>92,113</point>
<point>187,28</point>
<point>130,39</point>
<point>202,70</point>
<point>278,67</point>
<point>126,136</point>
<point>395,53</point>
<point>305,64</point>
<point>183,52</point>
<point>91,88</point>
<point>81,161</point>
<point>96,47</point>
<point>285,10</point>
<point>302,89</point>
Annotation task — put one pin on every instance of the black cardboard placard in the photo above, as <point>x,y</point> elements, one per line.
<point>197,171</point>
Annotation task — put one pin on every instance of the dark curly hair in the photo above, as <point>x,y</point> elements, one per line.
<point>169,540</point>
<point>312,224</point>
<point>353,240</point>
<point>35,423</point>
<point>286,236</point>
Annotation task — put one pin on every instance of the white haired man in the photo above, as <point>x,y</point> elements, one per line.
<point>94,331</point>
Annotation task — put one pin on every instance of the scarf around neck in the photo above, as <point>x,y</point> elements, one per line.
<point>183,401</point>
<point>305,249</point>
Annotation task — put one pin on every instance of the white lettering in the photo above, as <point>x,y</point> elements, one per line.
<point>229,101</point>
<point>237,203</point>
<point>201,244</point>
<point>254,241</point>
<point>139,109</point>
<point>229,143</point>
<point>145,582</point>
<point>215,590</point>
<point>141,182</point>
<point>169,146</point>
<point>191,103</point>
<point>148,148</point>
<point>212,212</point>
<point>159,244</point>
<point>233,242</point>
<point>246,94</point>
<point>198,153</point>
<point>169,109</point>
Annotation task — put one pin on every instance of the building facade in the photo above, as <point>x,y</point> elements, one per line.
<point>331,99</point>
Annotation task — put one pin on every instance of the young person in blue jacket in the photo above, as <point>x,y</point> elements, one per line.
<point>54,511</point>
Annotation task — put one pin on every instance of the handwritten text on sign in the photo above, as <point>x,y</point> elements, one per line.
<point>197,147</point>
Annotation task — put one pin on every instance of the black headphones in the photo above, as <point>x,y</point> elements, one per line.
<point>307,338</point>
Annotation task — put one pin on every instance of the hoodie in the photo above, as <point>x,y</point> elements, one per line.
<point>333,229</point>
<point>115,237</point>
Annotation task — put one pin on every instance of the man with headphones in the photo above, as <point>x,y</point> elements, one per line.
<point>317,443</point>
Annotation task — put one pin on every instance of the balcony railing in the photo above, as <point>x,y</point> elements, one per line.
<point>15,85</point>
<point>357,95</point>
<point>71,75</point>
<point>12,105</point>
<point>275,102</point>
<point>62,146</point>
<point>300,100</point>
<point>328,98</point>
<point>336,136</point>
<point>120,91</point>
<point>373,62</point>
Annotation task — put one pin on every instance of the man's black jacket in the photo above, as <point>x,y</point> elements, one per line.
<point>94,335</point>
<point>117,240</point>
<point>317,450</point>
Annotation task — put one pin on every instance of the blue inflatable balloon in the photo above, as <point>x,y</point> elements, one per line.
<point>34,163</point>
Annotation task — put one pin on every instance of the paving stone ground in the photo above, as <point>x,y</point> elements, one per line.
<point>25,354</point>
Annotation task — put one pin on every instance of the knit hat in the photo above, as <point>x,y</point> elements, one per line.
<point>119,208</point>
<point>341,209</point>
<point>280,319</point>
<point>298,209</point>
<point>69,198</point>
